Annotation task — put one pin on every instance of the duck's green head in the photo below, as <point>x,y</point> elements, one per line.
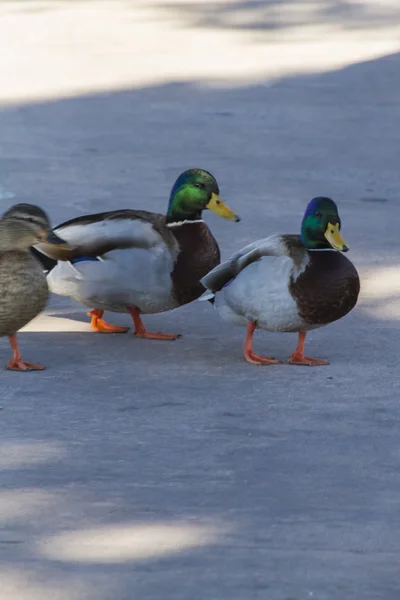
<point>194,191</point>
<point>320,228</point>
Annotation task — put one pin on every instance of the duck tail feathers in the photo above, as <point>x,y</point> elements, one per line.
<point>208,295</point>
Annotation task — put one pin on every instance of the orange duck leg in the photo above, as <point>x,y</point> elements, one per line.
<point>298,357</point>
<point>101,326</point>
<point>141,331</point>
<point>16,363</point>
<point>252,357</point>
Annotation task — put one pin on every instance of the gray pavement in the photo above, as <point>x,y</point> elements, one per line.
<point>134,469</point>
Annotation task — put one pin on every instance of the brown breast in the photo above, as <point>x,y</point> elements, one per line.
<point>199,253</point>
<point>327,290</point>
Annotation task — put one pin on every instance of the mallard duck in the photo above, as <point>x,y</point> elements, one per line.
<point>291,283</point>
<point>23,286</point>
<point>134,261</point>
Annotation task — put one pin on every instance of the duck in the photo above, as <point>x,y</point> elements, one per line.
<point>23,287</point>
<point>139,262</point>
<point>288,283</point>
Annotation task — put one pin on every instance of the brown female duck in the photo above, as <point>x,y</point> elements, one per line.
<point>23,287</point>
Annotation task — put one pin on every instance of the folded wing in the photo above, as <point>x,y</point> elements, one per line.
<point>95,235</point>
<point>216,279</point>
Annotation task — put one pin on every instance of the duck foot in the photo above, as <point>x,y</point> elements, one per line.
<point>252,357</point>
<point>298,357</point>
<point>16,363</point>
<point>256,359</point>
<point>141,331</point>
<point>101,326</point>
<point>306,361</point>
<point>20,365</point>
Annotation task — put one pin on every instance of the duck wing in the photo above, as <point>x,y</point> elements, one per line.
<point>95,235</point>
<point>274,245</point>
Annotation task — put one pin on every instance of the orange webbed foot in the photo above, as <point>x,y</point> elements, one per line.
<point>252,357</point>
<point>298,357</point>
<point>153,335</point>
<point>256,359</point>
<point>141,331</point>
<point>20,365</point>
<point>306,361</point>
<point>101,326</point>
<point>16,363</point>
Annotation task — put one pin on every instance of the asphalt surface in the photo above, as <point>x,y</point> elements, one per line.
<point>135,469</point>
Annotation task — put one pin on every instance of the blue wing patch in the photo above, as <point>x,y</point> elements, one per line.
<point>227,283</point>
<point>85,258</point>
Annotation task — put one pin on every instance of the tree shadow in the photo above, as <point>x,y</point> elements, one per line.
<point>278,15</point>
<point>255,15</point>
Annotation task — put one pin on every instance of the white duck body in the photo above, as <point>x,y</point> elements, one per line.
<point>129,258</point>
<point>282,286</point>
<point>129,264</point>
<point>108,283</point>
<point>260,292</point>
<point>261,295</point>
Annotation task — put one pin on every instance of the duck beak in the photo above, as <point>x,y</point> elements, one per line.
<point>222,210</point>
<point>53,240</point>
<point>333,236</point>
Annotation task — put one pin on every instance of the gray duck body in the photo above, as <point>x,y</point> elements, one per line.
<point>23,290</point>
<point>282,286</point>
<point>145,262</point>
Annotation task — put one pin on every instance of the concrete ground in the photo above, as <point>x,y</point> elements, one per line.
<point>173,471</point>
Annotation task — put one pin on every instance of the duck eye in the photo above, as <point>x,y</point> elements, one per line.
<point>318,214</point>
<point>199,185</point>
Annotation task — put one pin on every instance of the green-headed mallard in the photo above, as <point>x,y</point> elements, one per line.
<point>291,283</point>
<point>23,286</point>
<point>134,261</point>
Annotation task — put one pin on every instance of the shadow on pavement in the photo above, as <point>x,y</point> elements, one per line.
<point>237,482</point>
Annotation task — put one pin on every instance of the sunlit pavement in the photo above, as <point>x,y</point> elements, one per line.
<point>133,469</point>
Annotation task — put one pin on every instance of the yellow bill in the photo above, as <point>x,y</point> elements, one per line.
<point>221,209</point>
<point>334,237</point>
